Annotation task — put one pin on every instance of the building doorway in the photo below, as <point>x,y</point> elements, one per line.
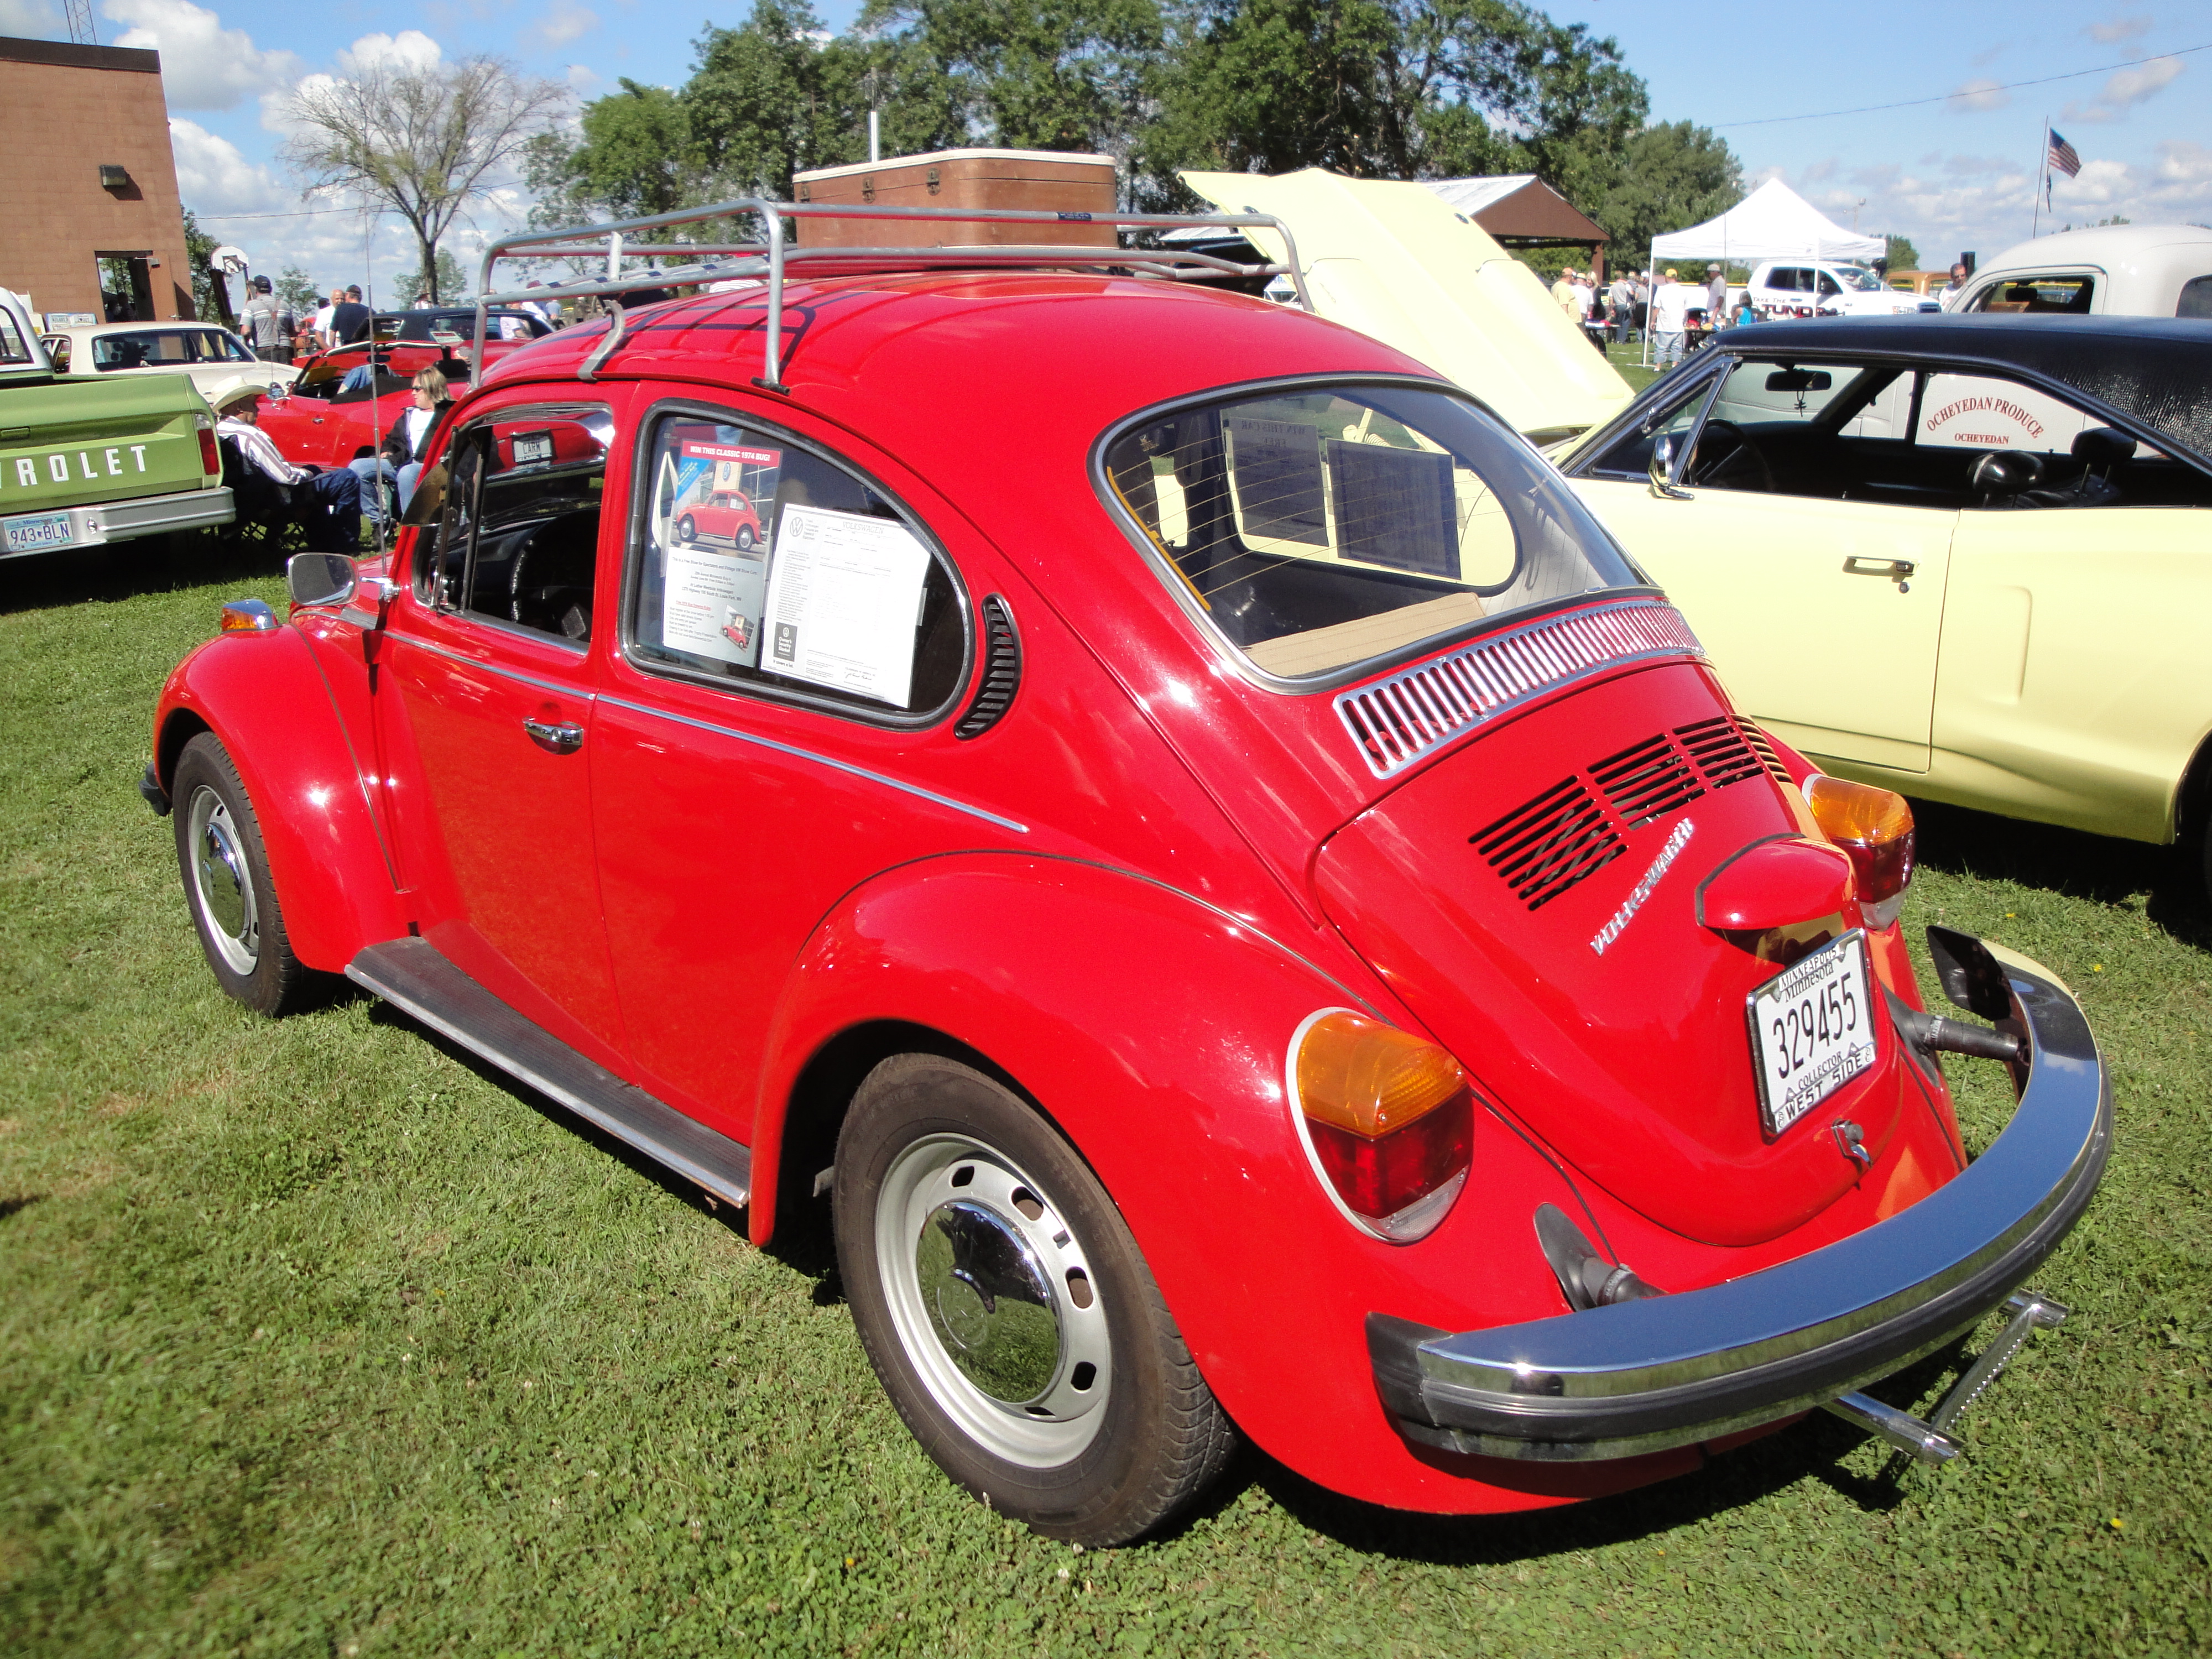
<point>126,287</point>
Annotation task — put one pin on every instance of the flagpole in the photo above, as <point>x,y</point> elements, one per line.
<point>2042,177</point>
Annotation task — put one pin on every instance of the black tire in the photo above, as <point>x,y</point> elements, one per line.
<point>233,902</point>
<point>687,528</point>
<point>935,1151</point>
<point>744,538</point>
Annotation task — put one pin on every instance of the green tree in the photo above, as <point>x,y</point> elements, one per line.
<point>1669,176</point>
<point>453,284</point>
<point>424,141</point>
<point>1393,89</point>
<point>769,99</point>
<point>634,156</point>
<point>1901,254</point>
<point>295,288</point>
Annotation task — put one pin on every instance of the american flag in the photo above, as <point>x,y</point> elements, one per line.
<point>2063,158</point>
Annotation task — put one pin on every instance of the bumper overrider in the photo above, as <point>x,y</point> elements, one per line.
<point>1643,1376</point>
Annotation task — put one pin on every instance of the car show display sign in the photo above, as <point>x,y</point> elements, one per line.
<point>844,598</point>
<point>711,606</point>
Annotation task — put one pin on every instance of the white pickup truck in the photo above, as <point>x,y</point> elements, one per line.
<point>1828,288</point>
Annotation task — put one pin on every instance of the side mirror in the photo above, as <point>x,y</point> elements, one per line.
<point>429,499</point>
<point>1662,472</point>
<point>320,578</point>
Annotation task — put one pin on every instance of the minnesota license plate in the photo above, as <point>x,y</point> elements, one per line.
<point>29,534</point>
<point>1811,1030</point>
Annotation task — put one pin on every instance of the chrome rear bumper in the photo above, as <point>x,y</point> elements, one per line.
<point>1641,1377</point>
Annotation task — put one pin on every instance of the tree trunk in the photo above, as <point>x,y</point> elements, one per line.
<point>428,247</point>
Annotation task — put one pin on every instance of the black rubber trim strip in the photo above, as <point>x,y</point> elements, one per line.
<point>415,974</point>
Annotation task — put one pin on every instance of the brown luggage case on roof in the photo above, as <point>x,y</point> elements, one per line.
<point>1031,178</point>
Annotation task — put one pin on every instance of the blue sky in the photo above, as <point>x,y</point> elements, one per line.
<point>1954,171</point>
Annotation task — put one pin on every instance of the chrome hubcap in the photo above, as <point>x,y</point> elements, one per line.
<point>221,887</point>
<point>994,1301</point>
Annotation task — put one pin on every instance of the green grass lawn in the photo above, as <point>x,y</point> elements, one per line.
<point>316,1340</point>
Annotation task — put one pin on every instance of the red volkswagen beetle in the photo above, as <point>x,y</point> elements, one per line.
<point>1260,919</point>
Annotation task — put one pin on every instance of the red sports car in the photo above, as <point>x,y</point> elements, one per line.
<point>1261,920</point>
<point>723,516</point>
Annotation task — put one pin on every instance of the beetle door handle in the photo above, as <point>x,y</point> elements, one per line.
<point>1895,570</point>
<point>555,737</point>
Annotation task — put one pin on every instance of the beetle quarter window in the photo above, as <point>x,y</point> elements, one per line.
<point>1317,531</point>
<point>761,563</point>
<point>517,538</point>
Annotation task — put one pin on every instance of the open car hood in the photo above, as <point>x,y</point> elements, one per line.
<point>1396,262</point>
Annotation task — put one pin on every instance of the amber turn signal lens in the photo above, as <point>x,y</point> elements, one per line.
<point>1874,826</point>
<point>1389,1121</point>
<point>1361,1075</point>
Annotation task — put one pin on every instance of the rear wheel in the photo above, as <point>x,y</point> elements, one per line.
<point>744,538</point>
<point>225,871</point>
<point>1009,1313</point>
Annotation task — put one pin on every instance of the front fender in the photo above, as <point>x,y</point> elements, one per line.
<point>264,696</point>
<point>1153,1030</point>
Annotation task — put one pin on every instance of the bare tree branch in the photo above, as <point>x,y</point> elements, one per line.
<point>423,141</point>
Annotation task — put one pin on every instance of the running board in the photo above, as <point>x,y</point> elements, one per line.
<point>414,974</point>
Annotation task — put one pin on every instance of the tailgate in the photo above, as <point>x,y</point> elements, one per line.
<point>73,442</point>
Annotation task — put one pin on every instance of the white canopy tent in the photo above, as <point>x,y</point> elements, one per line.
<point>1773,222</point>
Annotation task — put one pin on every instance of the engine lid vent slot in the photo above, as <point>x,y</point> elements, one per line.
<point>1648,781</point>
<point>1550,844</point>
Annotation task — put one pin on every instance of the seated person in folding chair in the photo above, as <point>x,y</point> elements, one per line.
<point>325,504</point>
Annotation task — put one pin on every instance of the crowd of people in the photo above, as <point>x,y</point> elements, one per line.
<point>1633,305</point>
<point>279,333</point>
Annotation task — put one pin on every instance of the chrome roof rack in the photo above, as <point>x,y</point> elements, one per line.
<point>772,257</point>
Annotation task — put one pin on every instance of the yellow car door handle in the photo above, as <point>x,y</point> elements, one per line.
<point>1895,570</point>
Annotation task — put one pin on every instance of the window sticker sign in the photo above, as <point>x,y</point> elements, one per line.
<point>844,598</point>
<point>1275,466</point>
<point>720,495</point>
<point>1395,507</point>
<point>711,606</point>
<point>1969,411</point>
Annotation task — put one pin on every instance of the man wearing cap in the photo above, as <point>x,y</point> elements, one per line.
<point>325,504</point>
<point>269,326</point>
<point>1563,292</point>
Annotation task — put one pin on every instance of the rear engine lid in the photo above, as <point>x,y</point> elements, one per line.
<point>1533,898</point>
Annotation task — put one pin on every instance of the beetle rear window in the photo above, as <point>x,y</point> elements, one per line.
<point>1318,531</point>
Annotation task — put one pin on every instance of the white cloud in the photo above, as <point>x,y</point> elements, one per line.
<point>215,177</point>
<point>583,82</point>
<point>2120,28</point>
<point>31,20</point>
<point>1976,96</point>
<point>564,20</point>
<point>409,49</point>
<point>2130,86</point>
<point>203,65</point>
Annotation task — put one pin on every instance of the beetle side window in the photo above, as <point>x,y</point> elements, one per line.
<point>2071,295</point>
<point>764,565</point>
<point>518,537</point>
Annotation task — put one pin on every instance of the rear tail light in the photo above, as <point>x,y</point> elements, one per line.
<point>210,457</point>
<point>1387,1119</point>
<point>1875,827</point>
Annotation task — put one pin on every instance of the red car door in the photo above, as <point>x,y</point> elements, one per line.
<point>735,800</point>
<point>486,701</point>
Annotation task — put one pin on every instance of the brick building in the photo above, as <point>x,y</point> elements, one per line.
<point>89,176</point>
